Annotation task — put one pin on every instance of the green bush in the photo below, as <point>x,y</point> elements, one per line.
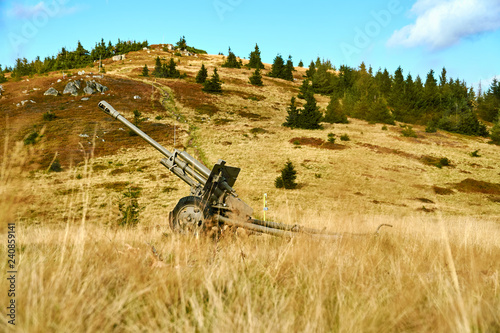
<point>431,127</point>
<point>55,166</point>
<point>344,137</point>
<point>475,153</point>
<point>31,138</point>
<point>331,137</point>
<point>49,116</point>
<point>408,132</point>
<point>129,207</point>
<point>287,178</point>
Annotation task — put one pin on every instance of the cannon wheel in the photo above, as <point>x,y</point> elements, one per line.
<point>189,216</point>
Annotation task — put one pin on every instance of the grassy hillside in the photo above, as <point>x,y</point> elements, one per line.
<point>437,269</point>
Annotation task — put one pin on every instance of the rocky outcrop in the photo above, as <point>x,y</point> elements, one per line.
<point>77,84</point>
<point>71,89</point>
<point>88,90</point>
<point>99,87</point>
<point>51,92</point>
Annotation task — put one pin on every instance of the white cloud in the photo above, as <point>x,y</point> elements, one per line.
<point>442,23</point>
<point>53,8</point>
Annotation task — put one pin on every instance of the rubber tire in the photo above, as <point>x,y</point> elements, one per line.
<point>186,203</point>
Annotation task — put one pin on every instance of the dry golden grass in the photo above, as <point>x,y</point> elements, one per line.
<point>436,270</point>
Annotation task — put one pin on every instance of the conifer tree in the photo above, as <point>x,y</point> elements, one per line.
<point>334,112</point>
<point>172,70</point>
<point>495,133</point>
<point>213,85</point>
<point>396,97</point>
<point>293,115</point>
<point>2,76</point>
<point>310,116</point>
<point>431,91</point>
<point>311,71</point>
<point>256,78</point>
<point>145,71</point>
<point>287,73</point>
<point>301,64</point>
<point>181,44</point>
<point>157,72</point>
<point>231,61</point>
<point>202,75</point>
<point>255,61</point>
<point>305,88</point>
<point>277,68</point>
<point>287,178</point>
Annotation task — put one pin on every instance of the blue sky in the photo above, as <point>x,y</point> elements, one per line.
<point>418,35</point>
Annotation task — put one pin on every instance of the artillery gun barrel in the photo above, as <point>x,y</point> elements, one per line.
<point>182,163</point>
<point>107,108</point>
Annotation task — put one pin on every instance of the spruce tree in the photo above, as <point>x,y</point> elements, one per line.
<point>278,67</point>
<point>287,178</point>
<point>293,115</point>
<point>334,112</point>
<point>181,44</point>
<point>202,75</point>
<point>311,71</point>
<point>231,61</point>
<point>172,71</point>
<point>495,133</point>
<point>310,116</point>
<point>287,73</point>
<point>256,78</point>
<point>305,87</point>
<point>157,72</point>
<point>255,61</point>
<point>301,64</point>
<point>213,85</point>
<point>2,76</point>
<point>145,71</point>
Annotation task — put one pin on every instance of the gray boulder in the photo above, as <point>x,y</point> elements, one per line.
<point>77,84</point>
<point>88,90</point>
<point>91,84</point>
<point>99,87</point>
<point>51,92</point>
<point>70,89</point>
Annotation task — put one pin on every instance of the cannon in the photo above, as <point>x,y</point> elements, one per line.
<point>212,203</point>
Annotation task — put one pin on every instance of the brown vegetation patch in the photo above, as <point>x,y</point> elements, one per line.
<point>470,185</point>
<point>190,95</point>
<point>316,142</point>
<point>71,133</point>
<point>442,190</point>
<point>207,109</point>
<point>222,121</point>
<point>115,186</point>
<point>426,210</point>
<point>385,150</point>
<point>245,95</point>
<point>435,161</point>
<point>118,171</point>
<point>258,130</point>
<point>495,199</point>
<point>252,116</point>
<point>424,200</point>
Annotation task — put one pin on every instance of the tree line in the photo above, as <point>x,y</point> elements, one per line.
<point>79,58</point>
<point>442,102</point>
